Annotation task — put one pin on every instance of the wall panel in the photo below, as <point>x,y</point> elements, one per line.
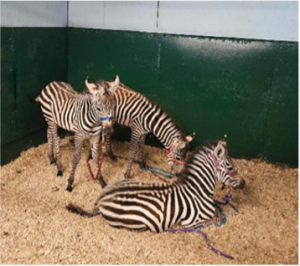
<point>8,93</point>
<point>34,13</point>
<point>31,58</point>
<point>281,135</point>
<point>217,87</point>
<point>211,86</point>
<point>40,57</point>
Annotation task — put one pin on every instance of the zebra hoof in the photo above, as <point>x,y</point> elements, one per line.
<point>126,176</point>
<point>142,165</point>
<point>102,183</point>
<point>113,157</point>
<point>69,188</point>
<point>59,173</point>
<point>52,161</point>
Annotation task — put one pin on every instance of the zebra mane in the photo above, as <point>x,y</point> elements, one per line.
<point>175,124</point>
<point>190,160</point>
<point>85,91</point>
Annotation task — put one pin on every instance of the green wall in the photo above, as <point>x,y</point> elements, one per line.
<point>30,59</point>
<point>247,89</point>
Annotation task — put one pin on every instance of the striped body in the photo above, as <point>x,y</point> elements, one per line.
<point>158,207</point>
<point>69,109</point>
<point>134,110</point>
<point>80,113</point>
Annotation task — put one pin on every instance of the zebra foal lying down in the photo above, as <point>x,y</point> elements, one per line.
<point>157,207</point>
<point>134,110</point>
<point>86,114</point>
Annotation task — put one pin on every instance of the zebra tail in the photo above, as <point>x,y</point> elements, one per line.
<point>79,210</point>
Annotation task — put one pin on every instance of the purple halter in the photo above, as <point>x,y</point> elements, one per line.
<point>219,169</point>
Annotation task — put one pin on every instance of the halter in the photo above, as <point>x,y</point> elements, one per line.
<point>105,118</point>
<point>219,169</point>
<point>173,157</point>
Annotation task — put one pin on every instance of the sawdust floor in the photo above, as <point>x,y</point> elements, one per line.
<point>36,228</point>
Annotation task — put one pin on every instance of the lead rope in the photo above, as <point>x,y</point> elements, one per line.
<point>227,200</point>
<point>198,231</point>
<point>103,150</point>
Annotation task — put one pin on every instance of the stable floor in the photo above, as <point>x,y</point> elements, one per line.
<point>36,228</point>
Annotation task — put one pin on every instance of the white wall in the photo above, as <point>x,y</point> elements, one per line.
<point>34,14</point>
<point>267,20</point>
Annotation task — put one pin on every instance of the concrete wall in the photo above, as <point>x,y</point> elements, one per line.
<point>265,20</point>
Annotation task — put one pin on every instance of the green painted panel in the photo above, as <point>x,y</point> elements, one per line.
<point>282,124</point>
<point>211,86</point>
<point>30,59</point>
<point>13,149</point>
<point>218,86</point>
<point>7,88</point>
<point>40,56</point>
<point>105,54</point>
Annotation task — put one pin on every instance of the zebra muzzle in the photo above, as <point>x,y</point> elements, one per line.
<point>239,185</point>
<point>108,126</point>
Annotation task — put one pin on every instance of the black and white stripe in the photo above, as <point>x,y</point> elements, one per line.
<point>157,207</point>
<point>134,110</point>
<point>80,113</point>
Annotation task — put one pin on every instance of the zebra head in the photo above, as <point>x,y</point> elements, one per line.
<point>104,101</point>
<point>224,168</point>
<point>177,152</point>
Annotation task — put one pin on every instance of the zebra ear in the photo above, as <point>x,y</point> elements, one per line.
<point>189,138</point>
<point>223,141</point>
<point>91,86</point>
<point>115,84</point>
<point>219,151</point>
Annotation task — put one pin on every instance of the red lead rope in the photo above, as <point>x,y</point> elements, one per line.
<point>103,150</point>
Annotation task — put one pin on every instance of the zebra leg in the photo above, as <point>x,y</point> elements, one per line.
<point>216,219</point>
<point>135,136</point>
<point>141,151</point>
<point>50,143</point>
<point>78,141</point>
<point>95,143</point>
<point>108,147</point>
<point>56,141</point>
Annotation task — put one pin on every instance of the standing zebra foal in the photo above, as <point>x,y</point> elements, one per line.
<point>134,110</point>
<point>157,207</point>
<point>86,114</point>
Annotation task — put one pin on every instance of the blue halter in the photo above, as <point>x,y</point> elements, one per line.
<point>105,118</point>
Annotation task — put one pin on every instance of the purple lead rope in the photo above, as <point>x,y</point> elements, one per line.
<point>188,230</point>
<point>227,198</point>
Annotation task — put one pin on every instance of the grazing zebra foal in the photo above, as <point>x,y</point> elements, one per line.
<point>86,114</point>
<point>157,207</point>
<point>134,110</point>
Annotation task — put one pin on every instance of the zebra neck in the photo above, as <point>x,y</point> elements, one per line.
<point>168,134</point>
<point>86,110</point>
<point>200,174</point>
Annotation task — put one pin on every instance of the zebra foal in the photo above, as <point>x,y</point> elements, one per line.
<point>157,207</point>
<point>86,114</point>
<point>134,110</point>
